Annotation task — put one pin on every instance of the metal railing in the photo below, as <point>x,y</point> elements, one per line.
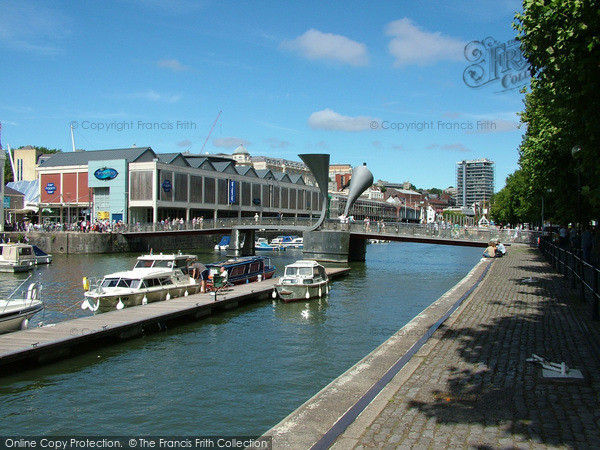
<point>582,274</point>
<point>431,230</point>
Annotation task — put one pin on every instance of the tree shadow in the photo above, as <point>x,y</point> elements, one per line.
<point>496,386</point>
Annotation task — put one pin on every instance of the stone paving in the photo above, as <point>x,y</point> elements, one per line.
<point>471,387</point>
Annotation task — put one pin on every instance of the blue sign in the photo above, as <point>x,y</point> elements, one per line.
<point>106,174</point>
<point>50,188</point>
<point>6,202</point>
<point>232,191</point>
<point>167,186</point>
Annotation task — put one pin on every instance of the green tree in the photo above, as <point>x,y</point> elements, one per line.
<point>561,41</point>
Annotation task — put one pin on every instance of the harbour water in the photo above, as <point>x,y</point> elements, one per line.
<point>235,373</point>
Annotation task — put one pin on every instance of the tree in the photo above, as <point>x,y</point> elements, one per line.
<point>561,41</point>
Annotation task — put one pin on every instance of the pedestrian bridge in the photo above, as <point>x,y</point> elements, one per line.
<point>387,231</point>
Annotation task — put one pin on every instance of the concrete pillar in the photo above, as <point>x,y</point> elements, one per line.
<point>333,246</point>
<point>235,243</point>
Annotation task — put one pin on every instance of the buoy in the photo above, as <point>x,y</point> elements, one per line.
<point>120,305</point>
<point>86,284</point>
<point>274,294</point>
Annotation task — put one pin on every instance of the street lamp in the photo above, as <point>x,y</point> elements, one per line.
<point>576,153</point>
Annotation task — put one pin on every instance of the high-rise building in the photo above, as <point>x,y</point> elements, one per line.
<point>474,181</point>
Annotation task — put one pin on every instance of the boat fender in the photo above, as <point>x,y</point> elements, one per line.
<point>32,292</point>
<point>85,305</point>
<point>168,297</point>
<point>145,300</point>
<point>274,294</point>
<point>86,284</point>
<point>320,292</point>
<point>120,305</point>
<point>307,295</point>
<point>24,324</point>
<point>186,293</point>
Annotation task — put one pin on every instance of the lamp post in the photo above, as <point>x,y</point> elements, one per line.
<point>576,153</point>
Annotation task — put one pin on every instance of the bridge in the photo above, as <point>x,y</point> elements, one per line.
<point>333,234</point>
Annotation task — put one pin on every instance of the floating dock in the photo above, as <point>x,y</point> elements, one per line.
<point>37,346</point>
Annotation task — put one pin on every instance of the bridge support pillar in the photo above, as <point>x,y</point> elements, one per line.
<point>333,246</point>
<point>235,243</point>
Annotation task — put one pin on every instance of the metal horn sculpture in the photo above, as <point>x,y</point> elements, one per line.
<point>361,179</point>
<point>318,164</point>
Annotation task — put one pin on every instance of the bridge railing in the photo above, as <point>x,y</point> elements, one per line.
<point>479,234</point>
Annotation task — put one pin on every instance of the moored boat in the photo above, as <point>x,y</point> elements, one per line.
<point>263,244</point>
<point>223,244</point>
<point>297,242</point>
<point>16,258</point>
<point>154,278</point>
<point>302,280</point>
<point>242,270</point>
<point>21,305</point>
<point>41,257</point>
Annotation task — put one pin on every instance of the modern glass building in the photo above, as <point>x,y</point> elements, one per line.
<point>474,181</point>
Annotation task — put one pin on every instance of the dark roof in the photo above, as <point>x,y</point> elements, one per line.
<point>84,157</point>
<point>11,191</point>
<point>246,171</point>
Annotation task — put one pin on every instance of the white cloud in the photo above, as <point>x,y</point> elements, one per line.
<point>457,147</point>
<point>230,142</point>
<point>172,64</point>
<point>315,44</point>
<point>411,45</point>
<point>276,143</point>
<point>328,119</point>
<point>154,96</point>
<point>33,28</point>
<point>185,143</point>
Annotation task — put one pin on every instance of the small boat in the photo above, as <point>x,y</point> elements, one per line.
<point>16,258</point>
<point>41,257</point>
<point>263,244</point>
<point>282,241</point>
<point>242,270</point>
<point>223,243</point>
<point>21,305</point>
<point>154,278</point>
<point>302,280</point>
<point>297,242</point>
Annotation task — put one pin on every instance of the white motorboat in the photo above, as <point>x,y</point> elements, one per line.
<point>16,258</point>
<point>154,278</point>
<point>302,280</point>
<point>41,257</point>
<point>21,305</point>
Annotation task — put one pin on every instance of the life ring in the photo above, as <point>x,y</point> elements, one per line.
<point>86,284</point>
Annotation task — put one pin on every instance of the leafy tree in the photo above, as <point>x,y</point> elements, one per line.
<point>561,41</point>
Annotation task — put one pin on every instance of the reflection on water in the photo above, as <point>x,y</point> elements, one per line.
<point>238,372</point>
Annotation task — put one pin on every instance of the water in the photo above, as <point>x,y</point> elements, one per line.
<point>239,372</point>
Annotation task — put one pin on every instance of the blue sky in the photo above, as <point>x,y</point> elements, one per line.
<point>374,82</point>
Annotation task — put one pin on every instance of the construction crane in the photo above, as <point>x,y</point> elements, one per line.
<point>210,132</point>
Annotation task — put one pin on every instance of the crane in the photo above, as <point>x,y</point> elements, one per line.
<point>211,130</point>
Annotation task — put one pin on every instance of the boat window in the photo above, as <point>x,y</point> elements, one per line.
<point>291,271</point>
<point>143,264</point>
<point>126,282</point>
<point>163,263</point>
<point>152,282</point>
<point>25,250</point>
<point>165,281</point>
<point>305,271</point>
<point>143,285</point>
<point>237,271</point>
<point>307,280</point>
<point>109,282</point>
<point>134,284</point>
<point>255,267</point>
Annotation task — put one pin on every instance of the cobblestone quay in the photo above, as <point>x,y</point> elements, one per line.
<point>470,386</point>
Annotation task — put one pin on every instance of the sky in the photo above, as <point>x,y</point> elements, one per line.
<point>382,83</point>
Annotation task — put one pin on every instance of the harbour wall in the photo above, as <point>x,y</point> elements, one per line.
<point>72,242</point>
